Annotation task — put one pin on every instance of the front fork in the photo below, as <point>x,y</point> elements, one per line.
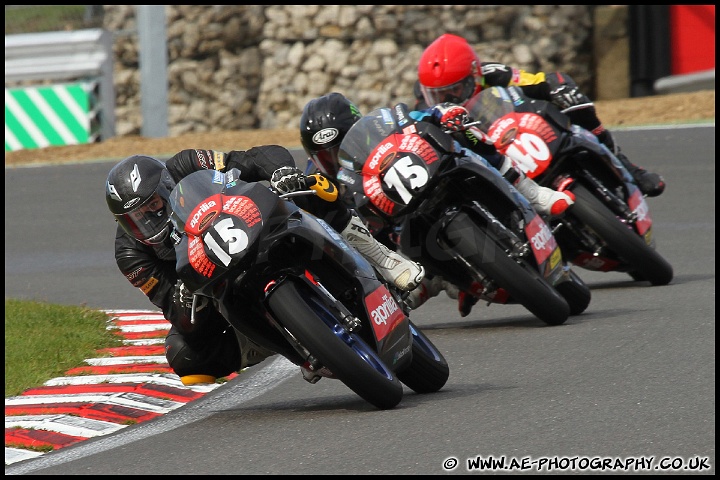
<point>512,245</point>
<point>614,200</point>
<point>348,321</point>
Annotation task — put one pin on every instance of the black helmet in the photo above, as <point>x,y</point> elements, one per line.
<point>325,121</point>
<point>137,191</point>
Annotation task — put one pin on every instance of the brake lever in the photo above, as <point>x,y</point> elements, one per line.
<point>309,182</point>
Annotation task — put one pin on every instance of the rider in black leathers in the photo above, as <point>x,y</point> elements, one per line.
<point>323,125</point>
<point>137,192</point>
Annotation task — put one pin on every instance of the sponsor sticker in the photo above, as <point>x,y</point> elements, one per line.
<point>149,285</point>
<point>384,311</point>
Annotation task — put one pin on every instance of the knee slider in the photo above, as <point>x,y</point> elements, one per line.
<point>179,355</point>
<point>217,356</point>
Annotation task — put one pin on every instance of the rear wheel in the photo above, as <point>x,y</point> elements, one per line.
<point>428,372</point>
<point>521,280</point>
<point>646,263</point>
<point>346,355</point>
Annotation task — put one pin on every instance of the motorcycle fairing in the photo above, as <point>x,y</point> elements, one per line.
<point>222,228</point>
<point>388,322</point>
<point>396,170</point>
<point>527,139</point>
<point>543,242</point>
<point>384,312</point>
<point>643,222</point>
<point>596,263</point>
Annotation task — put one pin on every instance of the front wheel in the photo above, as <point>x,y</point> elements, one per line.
<point>522,281</point>
<point>428,372</point>
<point>346,355</point>
<point>575,292</point>
<point>646,263</point>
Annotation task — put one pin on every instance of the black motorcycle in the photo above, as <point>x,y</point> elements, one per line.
<point>609,228</point>
<point>290,283</point>
<point>457,217</point>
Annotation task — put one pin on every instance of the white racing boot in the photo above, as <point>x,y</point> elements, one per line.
<point>394,267</point>
<point>429,288</point>
<point>546,201</point>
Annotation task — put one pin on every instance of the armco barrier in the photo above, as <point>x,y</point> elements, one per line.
<point>70,63</point>
<point>688,82</point>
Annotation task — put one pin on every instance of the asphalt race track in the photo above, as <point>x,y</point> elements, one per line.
<point>627,387</point>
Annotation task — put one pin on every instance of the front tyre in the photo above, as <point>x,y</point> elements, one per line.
<point>296,307</point>
<point>429,371</point>
<point>522,281</point>
<point>575,292</point>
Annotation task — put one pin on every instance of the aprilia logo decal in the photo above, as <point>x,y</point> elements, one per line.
<point>384,311</point>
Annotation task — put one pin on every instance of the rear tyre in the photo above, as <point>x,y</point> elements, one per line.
<point>428,372</point>
<point>345,354</point>
<point>645,261</point>
<point>522,281</point>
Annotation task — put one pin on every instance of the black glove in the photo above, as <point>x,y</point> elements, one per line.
<point>569,97</point>
<point>182,297</point>
<point>288,179</point>
<point>451,117</point>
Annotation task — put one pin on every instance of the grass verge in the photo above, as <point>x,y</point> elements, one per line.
<point>43,341</point>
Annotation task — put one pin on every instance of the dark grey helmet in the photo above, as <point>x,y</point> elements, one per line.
<point>137,192</point>
<point>324,122</point>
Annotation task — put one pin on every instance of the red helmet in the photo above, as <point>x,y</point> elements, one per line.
<point>449,71</point>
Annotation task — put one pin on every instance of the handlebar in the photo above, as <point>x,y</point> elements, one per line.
<point>298,193</point>
<point>465,126</point>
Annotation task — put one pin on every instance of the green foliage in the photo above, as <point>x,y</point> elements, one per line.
<point>46,18</point>
<point>43,341</point>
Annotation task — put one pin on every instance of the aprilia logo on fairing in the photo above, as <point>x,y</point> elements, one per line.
<point>201,211</point>
<point>385,310</point>
<point>383,313</point>
<point>643,222</point>
<point>500,129</point>
<point>541,239</point>
<point>642,212</point>
<point>382,149</point>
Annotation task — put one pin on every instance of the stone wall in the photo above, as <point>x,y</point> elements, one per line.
<point>249,66</point>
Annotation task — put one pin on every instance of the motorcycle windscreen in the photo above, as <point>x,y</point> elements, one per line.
<point>364,136</point>
<point>190,192</point>
<point>489,105</point>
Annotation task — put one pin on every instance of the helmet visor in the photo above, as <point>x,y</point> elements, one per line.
<point>326,160</point>
<point>149,222</point>
<point>458,92</point>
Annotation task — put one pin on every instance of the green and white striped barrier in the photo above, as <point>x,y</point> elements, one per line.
<point>63,114</point>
